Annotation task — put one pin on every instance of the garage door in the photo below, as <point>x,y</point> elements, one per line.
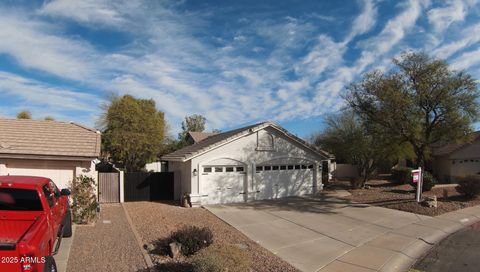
<point>281,180</point>
<point>61,176</point>
<point>223,184</point>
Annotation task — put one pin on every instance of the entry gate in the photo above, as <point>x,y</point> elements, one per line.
<point>108,187</point>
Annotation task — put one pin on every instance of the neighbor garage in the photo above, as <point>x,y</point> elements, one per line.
<point>262,161</point>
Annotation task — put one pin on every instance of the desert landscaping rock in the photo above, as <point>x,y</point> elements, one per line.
<point>156,221</point>
<point>106,247</point>
<point>175,249</point>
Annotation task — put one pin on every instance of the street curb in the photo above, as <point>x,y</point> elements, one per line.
<point>424,249</point>
<point>145,254</point>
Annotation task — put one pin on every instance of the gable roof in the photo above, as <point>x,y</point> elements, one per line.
<point>216,140</point>
<point>200,136</point>
<point>26,137</point>
<point>452,147</point>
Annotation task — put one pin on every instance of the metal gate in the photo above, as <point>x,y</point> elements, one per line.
<point>140,186</point>
<point>108,187</point>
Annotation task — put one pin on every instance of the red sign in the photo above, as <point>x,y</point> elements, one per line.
<point>416,176</point>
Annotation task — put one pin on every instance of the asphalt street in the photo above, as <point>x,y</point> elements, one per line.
<point>458,252</point>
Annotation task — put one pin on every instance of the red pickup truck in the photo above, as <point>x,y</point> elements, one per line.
<point>34,216</point>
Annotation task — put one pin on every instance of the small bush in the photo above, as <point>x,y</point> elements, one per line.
<point>402,175</point>
<point>192,239</point>
<point>428,182</point>
<point>221,258</point>
<point>469,186</point>
<point>83,200</point>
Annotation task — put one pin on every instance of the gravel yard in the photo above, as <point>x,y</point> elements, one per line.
<point>110,245</point>
<point>386,194</point>
<point>156,221</point>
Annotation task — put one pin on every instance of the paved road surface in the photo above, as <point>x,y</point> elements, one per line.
<point>459,252</point>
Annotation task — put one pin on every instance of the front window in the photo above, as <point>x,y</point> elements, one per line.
<point>12,199</point>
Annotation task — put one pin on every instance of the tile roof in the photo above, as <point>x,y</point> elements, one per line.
<point>190,151</point>
<point>200,136</point>
<point>446,149</point>
<point>47,138</point>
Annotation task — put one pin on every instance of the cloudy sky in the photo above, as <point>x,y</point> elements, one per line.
<point>235,62</point>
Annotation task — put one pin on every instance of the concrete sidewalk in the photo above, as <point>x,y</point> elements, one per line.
<point>329,234</point>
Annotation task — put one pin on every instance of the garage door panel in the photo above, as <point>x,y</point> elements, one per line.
<point>61,177</point>
<point>273,184</point>
<point>223,187</point>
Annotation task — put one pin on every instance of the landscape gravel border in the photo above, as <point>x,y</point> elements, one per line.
<point>145,254</point>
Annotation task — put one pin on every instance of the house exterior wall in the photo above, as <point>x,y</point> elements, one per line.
<point>250,150</point>
<point>61,172</point>
<point>461,163</point>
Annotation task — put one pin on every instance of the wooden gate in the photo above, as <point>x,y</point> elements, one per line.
<point>108,187</point>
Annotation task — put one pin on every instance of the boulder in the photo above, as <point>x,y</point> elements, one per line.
<point>149,247</point>
<point>175,249</point>
<point>430,201</point>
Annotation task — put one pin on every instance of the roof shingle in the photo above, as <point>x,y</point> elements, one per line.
<point>47,138</point>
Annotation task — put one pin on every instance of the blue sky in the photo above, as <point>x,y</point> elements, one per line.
<point>235,62</point>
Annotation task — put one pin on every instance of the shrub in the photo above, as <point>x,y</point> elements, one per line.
<point>469,186</point>
<point>217,258</point>
<point>402,175</point>
<point>83,200</point>
<point>192,239</point>
<point>428,182</point>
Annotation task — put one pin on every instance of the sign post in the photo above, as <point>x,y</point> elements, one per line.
<point>417,177</point>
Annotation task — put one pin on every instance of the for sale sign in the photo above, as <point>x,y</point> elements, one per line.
<point>416,176</point>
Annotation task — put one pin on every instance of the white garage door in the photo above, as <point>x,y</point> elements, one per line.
<point>223,184</point>
<point>61,176</point>
<point>281,180</point>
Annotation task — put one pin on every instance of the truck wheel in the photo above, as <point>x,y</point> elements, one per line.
<point>67,224</point>
<point>50,265</point>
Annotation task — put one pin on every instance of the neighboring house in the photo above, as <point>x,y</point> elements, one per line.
<point>261,161</point>
<point>457,160</point>
<point>57,150</point>
<point>194,137</point>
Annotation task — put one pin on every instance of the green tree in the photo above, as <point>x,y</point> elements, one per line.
<point>194,122</point>
<point>49,118</point>
<point>353,142</point>
<point>24,115</point>
<point>421,101</point>
<point>133,131</point>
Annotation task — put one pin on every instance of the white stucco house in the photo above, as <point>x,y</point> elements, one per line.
<point>261,161</point>
<point>457,159</point>
<point>57,150</point>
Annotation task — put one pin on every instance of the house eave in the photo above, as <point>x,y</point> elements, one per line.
<point>46,157</point>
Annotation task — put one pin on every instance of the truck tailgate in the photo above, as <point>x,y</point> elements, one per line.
<point>12,230</point>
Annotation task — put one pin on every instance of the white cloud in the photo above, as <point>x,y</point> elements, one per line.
<point>442,17</point>
<point>34,45</point>
<point>395,29</point>
<point>44,100</point>
<point>468,37</point>
<point>467,60</point>
<point>365,21</point>
<point>99,12</point>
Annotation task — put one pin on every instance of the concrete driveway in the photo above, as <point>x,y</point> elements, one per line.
<point>329,234</point>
